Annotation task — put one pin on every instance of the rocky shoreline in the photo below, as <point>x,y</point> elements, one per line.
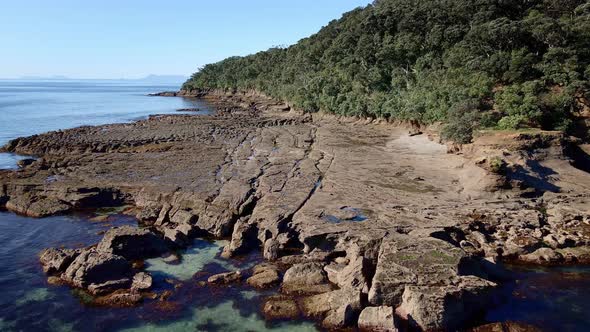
<point>362,223</point>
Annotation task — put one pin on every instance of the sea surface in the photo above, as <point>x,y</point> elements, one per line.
<point>553,299</point>
<point>34,107</point>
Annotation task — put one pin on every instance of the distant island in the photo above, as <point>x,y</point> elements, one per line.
<point>152,79</point>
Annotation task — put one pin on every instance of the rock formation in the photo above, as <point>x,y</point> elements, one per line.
<point>360,213</point>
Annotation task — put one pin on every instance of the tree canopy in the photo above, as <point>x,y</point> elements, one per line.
<point>504,64</point>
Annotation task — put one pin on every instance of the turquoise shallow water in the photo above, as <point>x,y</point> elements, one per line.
<point>34,107</point>
<point>28,303</point>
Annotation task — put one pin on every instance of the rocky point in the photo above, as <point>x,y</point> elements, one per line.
<point>364,224</point>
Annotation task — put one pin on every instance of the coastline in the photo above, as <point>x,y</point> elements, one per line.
<point>343,201</point>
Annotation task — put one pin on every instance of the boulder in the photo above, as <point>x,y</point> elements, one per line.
<point>264,276</point>
<point>327,303</point>
<point>305,278</point>
<point>354,274</point>
<point>132,243</point>
<point>278,307</point>
<point>305,273</point>
<point>56,261</point>
<point>422,278</point>
<point>225,278</point>
<point>142,281</point>
<point>243,239</point>
<point>378,319</point>
<point>95,267</point>
<point>339,318</point>
<point>445,307</point>
<point>405,260</point>
<point>270,250</point>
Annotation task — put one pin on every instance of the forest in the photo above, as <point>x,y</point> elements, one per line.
<point>494,64</point>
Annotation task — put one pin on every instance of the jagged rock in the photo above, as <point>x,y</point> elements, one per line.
<point>142,281</point>
<point>182,217</point>
<point>327,303</point>
<point>25,162</point>
<point>56,261</point>
<point>277,307</point>
<point>520,245</point>
<point>305,278</point>
<point>351,275</point>
<point>271,249</point>
<point>176,237</point>
<point>148,214</point>
<point>95,267</point>
<point>406,260</point>
<point>306,273</point>
<point>264,276</point>
<point>543,256</point>
<point>132,243</point>
<point>339,318</point>
<point>445,307</point>
<point>378,319</point>
<point>289,176</point>
<point>225,278</point>
<point>243,239</point>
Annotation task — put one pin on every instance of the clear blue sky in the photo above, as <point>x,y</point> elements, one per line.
<point>131,38</point>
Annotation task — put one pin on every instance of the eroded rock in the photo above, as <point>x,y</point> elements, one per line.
<point>277,307</point>
<point>94,267</point>
<point>378,319</point>
<point>132,243</point>
<point>225,278</point>
<point>56,261</point>
<point>264,276</point>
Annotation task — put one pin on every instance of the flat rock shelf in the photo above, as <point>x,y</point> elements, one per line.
<point>361,223</point>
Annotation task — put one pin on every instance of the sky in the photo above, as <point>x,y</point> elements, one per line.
<point>132,39</point>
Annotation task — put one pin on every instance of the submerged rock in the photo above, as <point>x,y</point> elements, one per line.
<point>121,299</point>
<point>278,307</point>
<point>506,327</point>
<point>225,278</point>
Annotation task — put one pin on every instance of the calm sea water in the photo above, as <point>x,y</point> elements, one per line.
<point>34,107</point>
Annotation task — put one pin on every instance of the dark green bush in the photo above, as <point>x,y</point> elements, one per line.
<point>417,59</point>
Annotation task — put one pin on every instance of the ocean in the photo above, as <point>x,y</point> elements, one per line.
<point>34,107</point>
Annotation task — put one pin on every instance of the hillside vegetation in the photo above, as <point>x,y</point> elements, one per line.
<point>503,64</point>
